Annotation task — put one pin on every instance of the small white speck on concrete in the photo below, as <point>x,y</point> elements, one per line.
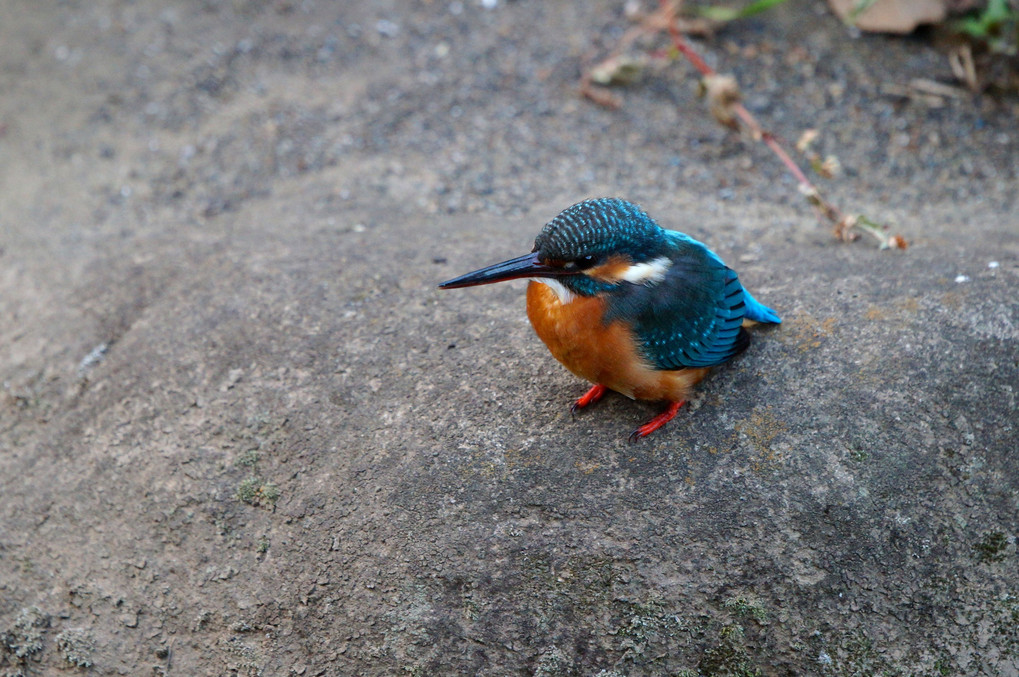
<point>92,359</point>
<point>961,278</point>
<point>993,264</point>
<point>387,28</point>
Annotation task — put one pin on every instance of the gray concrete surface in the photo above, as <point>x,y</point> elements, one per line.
<point>241,432</point>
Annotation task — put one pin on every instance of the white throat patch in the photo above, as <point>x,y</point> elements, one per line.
<point>564,295</point>
<point>647,273</point>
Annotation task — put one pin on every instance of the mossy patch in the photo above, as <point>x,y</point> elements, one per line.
<point>248,459</point>
<point>729,656</point>
<point>992,547</point>
<point>256,491</point>
<point>744,606</point>
<point>555,663</point>
<point>76,646</point>
<point>24,638</point>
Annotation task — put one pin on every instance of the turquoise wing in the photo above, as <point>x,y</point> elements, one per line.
<point>693,316</point>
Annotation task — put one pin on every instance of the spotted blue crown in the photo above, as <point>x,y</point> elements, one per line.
<point>600,227</point>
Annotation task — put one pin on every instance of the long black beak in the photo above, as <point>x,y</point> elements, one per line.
<point>527,265</point>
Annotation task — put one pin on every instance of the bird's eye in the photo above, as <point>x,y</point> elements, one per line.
<point>584,262</point>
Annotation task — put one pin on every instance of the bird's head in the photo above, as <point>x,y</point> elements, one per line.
<point>590,247</point>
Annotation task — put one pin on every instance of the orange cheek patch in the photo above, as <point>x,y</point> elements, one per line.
<point>612,270</point>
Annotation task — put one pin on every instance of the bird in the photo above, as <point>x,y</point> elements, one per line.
<point>628,305</point>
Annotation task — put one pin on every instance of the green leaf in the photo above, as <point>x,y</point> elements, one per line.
<point>726,14</point>
<point>859,7</point>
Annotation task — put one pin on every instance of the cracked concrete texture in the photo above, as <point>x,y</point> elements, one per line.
<point>238,213</point>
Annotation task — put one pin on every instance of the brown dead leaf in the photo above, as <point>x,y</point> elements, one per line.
<point>723,94</point>
<point>963,68</point>
<point>844,228</point>
<point>828,167</point>
<point>897,242</point>
<point>599,95</point>
<point>622,69</point>
<point>806,139</point>
<point>890,16</point>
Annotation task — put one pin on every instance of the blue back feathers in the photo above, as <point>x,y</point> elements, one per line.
<point>691,318</point>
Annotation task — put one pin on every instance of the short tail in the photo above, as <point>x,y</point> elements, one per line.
<point>757,311</point>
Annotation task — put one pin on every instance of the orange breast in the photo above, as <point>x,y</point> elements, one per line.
<point>600,353</point>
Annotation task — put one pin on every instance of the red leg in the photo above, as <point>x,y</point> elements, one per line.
<point>590,397</point>
<point>657,422</point>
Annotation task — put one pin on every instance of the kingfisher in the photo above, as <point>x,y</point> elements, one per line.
<point>628,305</point>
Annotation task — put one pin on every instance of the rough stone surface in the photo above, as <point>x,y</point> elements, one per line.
<point>241,431</point>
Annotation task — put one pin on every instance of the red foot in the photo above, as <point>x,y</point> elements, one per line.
<point>590,397</point>
<point>657,422</point>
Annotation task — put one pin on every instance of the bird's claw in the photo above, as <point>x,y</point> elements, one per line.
<point>590,397</point>
<point>657,422</point>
